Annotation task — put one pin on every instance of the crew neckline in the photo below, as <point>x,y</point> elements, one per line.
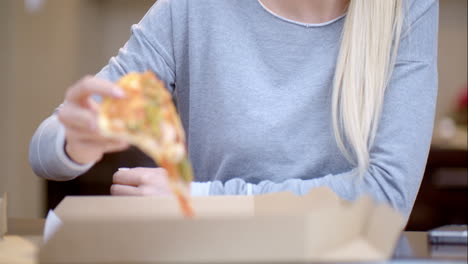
<point>307,25</point>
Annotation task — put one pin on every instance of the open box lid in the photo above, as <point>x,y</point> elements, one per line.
<point>269,228</point>
<point>285,203</point>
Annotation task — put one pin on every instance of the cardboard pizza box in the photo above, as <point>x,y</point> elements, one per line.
<point>273,228</point>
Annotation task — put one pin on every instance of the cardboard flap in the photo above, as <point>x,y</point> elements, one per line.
<point>241,240</point>
<point>341,231</point>
<point>321,197</point>
<point>338,227</point>
<point>357,214</point>
<point>3,215</point>
<point>287,203</point>
<point>111,207</point>
<point>357,250</point>
<point>17,250</point>
<point>383,229</point>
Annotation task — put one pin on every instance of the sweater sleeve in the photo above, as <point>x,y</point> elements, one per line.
<point>399,154</point>
<point>149,48</point>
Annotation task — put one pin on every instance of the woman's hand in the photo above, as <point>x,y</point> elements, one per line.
<point>83,142</point>
<point>141,182</point>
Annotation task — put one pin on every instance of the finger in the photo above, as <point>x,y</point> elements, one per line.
<point>93,105</point>
<point>98,139</point>
<point>91,85</point>
<point>78,118</point>
<point>154,190</point>
<point>125,190</point>
<point>145,170</point>
<point>106,145</point>
<point>96,143</point>
<point>82,132</point>
<point>150,176</point>
<point>139,176</point>
<point>116,146</point>
<point>126,177</point>
<point>83,135</point>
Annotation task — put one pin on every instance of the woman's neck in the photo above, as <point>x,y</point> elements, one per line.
<point>307,11</point>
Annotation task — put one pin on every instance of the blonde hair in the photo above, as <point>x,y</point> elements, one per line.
<point>369,45</point>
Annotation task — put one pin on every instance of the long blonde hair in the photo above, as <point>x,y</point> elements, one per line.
<point>369,45</point>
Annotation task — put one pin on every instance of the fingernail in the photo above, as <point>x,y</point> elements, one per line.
<point>124,169</point>
<point>118,92</point>
<point>93,126</point>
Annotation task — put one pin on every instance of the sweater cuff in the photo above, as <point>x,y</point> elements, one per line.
<point>200,188</point>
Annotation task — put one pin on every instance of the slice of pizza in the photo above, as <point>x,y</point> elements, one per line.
<point>147,118</point>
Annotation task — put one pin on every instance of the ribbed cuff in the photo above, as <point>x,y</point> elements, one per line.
<point>249,189</point>
<point>200,188</point>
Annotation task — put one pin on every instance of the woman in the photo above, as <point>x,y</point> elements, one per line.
<point>274,96</point>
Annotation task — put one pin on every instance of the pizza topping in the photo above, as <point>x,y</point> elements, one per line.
<point>148,119</point>
<point>185,170</point>
<point>175,153</point>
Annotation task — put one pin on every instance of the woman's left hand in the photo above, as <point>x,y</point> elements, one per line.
<point>141,182</point>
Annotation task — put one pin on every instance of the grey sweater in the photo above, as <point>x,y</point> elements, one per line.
<point>253,91</point>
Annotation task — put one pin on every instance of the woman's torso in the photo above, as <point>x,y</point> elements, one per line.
<point>254,92</point>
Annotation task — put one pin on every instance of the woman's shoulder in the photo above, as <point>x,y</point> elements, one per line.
<point>417,8</point>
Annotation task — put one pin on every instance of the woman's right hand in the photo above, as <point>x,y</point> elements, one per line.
<point>83,141</point>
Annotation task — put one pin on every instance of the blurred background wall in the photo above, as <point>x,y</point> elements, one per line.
<point>452,53</point>
<point>43,52</point>
<point>39,61</point>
